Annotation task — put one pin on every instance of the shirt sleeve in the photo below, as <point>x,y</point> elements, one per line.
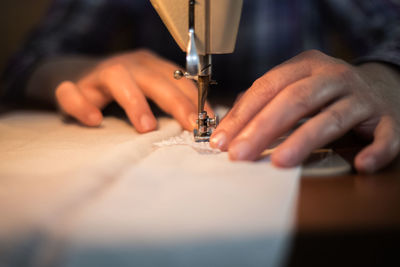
<point>373,28</point>
<point>69,27</point>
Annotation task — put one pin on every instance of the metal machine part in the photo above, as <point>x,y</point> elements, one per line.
<point>201,28</point>
<point>198,68</point>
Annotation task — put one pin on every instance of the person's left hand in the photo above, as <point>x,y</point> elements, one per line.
<point>364,98</point>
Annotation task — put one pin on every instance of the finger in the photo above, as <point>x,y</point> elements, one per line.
<point>384,148</point>
<point>284,111</point>
<point>97,96</point>
<point>167,96</point>
<point>325,127</point>
<point>126,92</point>
<point>238,97</point>
<point>260,94</point>
<point>73,103</point>
<point>186,86</point>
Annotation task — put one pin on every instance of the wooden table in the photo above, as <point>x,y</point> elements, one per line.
<point>348,220</point>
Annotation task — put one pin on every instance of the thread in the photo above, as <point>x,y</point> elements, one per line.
<point>186,139</point>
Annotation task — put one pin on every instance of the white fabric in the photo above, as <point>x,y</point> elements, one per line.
<point>112,197</point>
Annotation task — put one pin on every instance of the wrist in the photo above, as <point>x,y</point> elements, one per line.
<point>380,71</point>
<point>51,72</point>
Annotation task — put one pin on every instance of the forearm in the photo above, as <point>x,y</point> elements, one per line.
<point>49,74</point>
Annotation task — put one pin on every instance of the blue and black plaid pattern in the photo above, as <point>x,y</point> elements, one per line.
<point>271,31</point>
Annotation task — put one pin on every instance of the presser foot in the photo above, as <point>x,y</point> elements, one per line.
<point>205,127</point>
<point>201,138</point>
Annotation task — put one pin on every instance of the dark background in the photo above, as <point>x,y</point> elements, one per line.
<point>17,18</point>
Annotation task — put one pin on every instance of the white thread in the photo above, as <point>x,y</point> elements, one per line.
<point>186,138</point>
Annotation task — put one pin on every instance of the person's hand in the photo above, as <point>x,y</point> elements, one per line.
<point>344,97</point>
<point>129,79</point>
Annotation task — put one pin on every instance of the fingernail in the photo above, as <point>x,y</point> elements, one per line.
<point>94,118</point>
<point>147,122</point>
<point>369,164</point>
<point>240,151</point>
<point>192,119</point>
<point>218,140</point>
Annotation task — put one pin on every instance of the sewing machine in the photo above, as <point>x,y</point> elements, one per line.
<point>201,28</point>
<point>205,27</point>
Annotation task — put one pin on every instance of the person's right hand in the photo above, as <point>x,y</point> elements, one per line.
<point>129,79</point>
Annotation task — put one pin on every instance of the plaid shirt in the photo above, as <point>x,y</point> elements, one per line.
<point>271,31</point>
